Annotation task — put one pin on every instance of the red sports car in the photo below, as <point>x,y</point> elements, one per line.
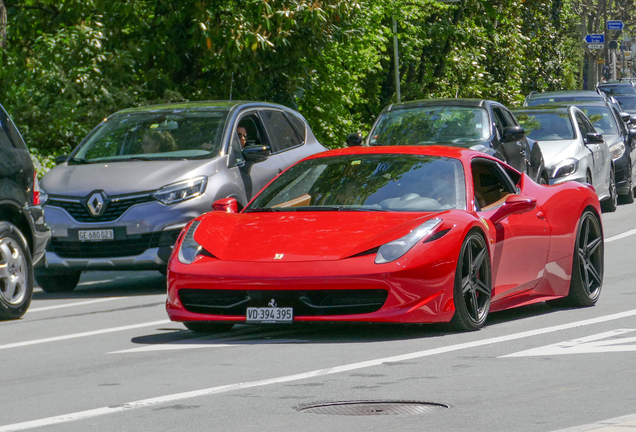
<point>388,234</point>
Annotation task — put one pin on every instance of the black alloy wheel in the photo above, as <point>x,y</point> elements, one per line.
<point>588,262</point>
<point>609,204</point>
<point>473,284</point>
<point>208,326</point>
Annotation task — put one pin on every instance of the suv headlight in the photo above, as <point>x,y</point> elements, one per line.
<point>618,151</point>
<point>181,191</point>
<point>189,249</point>
<point>563,168</point>
<point>395,249</point>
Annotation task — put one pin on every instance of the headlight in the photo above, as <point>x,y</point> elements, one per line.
<point>618,151</point>
<point>189,248</point>
<point>181,191</point>
<point>563,168</point>
<point>395,249</point>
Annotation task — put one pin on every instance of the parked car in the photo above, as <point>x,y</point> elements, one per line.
<point>479,124</point>
<point>416,234</point>
<point>542,98</point>
<point>627,104</point>
<point>121,198</point>
<point>615,88</point>
<point>572,148</point>
<point>23,233</point>
<point>621,141</point>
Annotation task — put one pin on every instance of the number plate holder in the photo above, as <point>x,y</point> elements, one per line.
<point>96,235</point>
<point>269,315</point>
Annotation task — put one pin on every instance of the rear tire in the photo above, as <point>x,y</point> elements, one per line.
<point>587,264</point>
<point>16,272</point>
<point>55,281</point>
<point>208,326</point>
<point>473,284</point>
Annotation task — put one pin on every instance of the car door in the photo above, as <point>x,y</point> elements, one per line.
<point>257,171</point>
<point>522,240</point>
<point>600,154</point>
<point>514,151</point>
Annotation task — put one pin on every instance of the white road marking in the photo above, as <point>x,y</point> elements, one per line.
<point>82,415</point>
<point>204,342</point>
<point>620,236</point>
<point>65,305</point>
<point>84,334</point>
<point>589,344</point>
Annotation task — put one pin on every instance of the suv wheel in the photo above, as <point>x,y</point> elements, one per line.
<point>16,272</point>
<point>55,281</point>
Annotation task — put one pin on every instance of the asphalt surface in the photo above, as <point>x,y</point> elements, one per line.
<point>106,358</point>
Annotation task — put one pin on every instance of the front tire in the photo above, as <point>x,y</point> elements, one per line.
<point>16,272</point>
<point>473,284</point>
<point>208,326</point>
<point>609,204</point>
<point>54,281</point>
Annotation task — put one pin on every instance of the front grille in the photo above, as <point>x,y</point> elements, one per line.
<point>304,302</point>
<point>115,207</point>
<point>130,246</point>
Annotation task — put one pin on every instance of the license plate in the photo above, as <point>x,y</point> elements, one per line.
<point>96,235</point>
<point>269,315</point>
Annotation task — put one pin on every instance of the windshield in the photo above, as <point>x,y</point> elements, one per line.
<point>180,134</point>
<point>556,99</point>
<point>613,90</point>
<point>602,119</point>
<point>541,126</point>
<point>432,125</point>
<point>628,103</point>
<point>373,182</point>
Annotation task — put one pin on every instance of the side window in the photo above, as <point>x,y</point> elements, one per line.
<point>500,123</point>
<point>281,132</point>
<point>510,119</point>
<point>584,125</point>
<point>620,122</point>
<point>254,132</point>
<point>299,125</point>
<point>491,184</point>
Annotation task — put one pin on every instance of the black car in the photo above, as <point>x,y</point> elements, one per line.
<point>23,234</point>
<point>479,124</point>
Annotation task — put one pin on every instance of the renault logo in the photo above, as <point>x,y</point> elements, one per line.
<point>95,204</point>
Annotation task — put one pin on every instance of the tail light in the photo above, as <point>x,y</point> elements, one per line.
<point>39,196</point>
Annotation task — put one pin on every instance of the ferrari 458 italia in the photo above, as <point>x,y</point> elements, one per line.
<point>388,234</point>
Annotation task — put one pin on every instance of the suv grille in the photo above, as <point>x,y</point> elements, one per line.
<point>115,207</point>
<point>304,302</point>
<point>113,249</point>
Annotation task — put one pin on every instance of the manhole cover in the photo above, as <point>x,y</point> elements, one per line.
<point>373,408</point>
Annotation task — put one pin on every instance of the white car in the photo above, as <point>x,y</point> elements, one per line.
<point>572,149</point>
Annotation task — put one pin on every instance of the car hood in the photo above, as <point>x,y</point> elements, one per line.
<point>556,151</point>
<point>301,236</point>
<point>119,178</point>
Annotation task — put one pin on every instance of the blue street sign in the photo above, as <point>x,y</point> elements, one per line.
<point>595,38</point>
<point>615,25</point>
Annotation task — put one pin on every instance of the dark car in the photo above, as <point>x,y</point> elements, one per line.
<point>621,142</point>
<point>23,234</point>
<point>542,98</point>
<point>627,103</point>
<point>478,124</point>
<point>618,88</point>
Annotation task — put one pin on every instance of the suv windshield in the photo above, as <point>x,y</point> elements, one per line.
<point>431,125</point>
<point>180,134</point>
<point>618,89</point>
<point>543,126</point>
<point>392,182</point>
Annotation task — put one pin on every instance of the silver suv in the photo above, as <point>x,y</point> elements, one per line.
<point>119,201</point>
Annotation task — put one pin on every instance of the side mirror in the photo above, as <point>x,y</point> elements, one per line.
<point>227,205</point>
<point>354,139</point>
<point>626,116</point>
<point>61,159</point>
<point>513,133</point>
<point>514,204</point>
<point>594,138</point>
<point>256,153</point>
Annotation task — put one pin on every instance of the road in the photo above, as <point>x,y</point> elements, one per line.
<point>105,358</point>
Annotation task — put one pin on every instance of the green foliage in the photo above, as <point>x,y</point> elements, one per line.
<point>69,64</point>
